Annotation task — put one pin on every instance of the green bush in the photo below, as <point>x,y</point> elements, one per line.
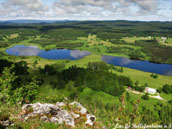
<point>167,89</point>
<point>145,97</point>
<point>154,76</point>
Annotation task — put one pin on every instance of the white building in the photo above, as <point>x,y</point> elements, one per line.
<point>163,39</point>
<point>150,90</point>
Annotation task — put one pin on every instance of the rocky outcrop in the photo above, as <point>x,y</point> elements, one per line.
<point>62,113</point>
<point>5,124</point>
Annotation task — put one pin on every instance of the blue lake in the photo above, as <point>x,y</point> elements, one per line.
<point>56,54</point>
<point>164,69</point>
<point>61,54</point>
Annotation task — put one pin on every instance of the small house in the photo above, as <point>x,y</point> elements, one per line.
<point>150,90</point>
<point>163,39</point>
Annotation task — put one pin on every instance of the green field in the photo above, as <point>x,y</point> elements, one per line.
<point>169,40</point>
<point>133,39</point>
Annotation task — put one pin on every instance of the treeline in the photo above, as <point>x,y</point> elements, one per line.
<point>16,85</point>
<point>105,30</point>
<point>20,68</point>
<point>157,53</point>
<point>96,76</point>
<point>166,89</point>
<point>151,48</point>
<point>120,50</point>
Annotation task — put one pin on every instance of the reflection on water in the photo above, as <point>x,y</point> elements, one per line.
<point>169,72</point>
<point>79,54</point>
<point>21,50</point>
<point>164,69</point>
<point>126,61</point>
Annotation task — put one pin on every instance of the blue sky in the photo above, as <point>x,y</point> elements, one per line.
<point>143,10</point>
<point>49,2</point>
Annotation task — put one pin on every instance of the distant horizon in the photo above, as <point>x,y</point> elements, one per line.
<point>77,20</point>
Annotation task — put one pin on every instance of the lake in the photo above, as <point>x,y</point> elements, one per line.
<point>61,54</point>
<point>164,69</point>
<point>56,54</point>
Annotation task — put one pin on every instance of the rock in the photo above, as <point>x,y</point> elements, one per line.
<point>75,115</point>
<point>56,113</point>
<point>82,109</point>
<point>27,108</point>
<point>44,118</point>
<point>54,120</point>
<point>104,127</point>
<point>5,123</point>
<point>40,109</point>
<point>60,104</point>
<point>64,116</point>
<point>90,119</point>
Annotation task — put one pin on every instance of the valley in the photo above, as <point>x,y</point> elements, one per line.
<point>73,60</point>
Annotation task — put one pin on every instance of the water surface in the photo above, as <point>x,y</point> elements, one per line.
<point>164,69</point>
<point>56,54</point>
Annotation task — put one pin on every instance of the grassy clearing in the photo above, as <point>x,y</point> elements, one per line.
<point>83,62</point>
<point>133,39</point>
<point>151,101</point>
<point>90,95</point>
<point>167,97</point>
<point>14,36</point>
<point>92,40</point>
<point>144,77</point>
<point>169,40</point>
<point>42,62</point>
<point>50,95</point>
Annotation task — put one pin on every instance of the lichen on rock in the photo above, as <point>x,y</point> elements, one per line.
<point>57,113</point>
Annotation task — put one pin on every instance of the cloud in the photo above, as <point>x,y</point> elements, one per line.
<point>108,59</point>
<point>126,61</point>
<point>148,6</point>
<point>79,54</point>
<point>22,8</point>
<point>82,9</point>
<point>24,51</point>
<point>103,7</point>
<point>168,73</point>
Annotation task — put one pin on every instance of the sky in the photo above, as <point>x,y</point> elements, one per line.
<point>138,10</point>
